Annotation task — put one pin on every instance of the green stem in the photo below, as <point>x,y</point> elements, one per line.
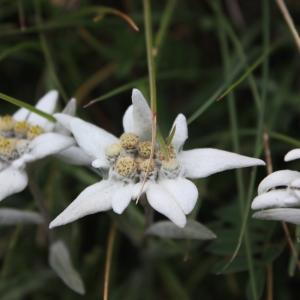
<point>164,24</point>
<point>150,56</point>
<point>236,146</point>
<point>23,104</point>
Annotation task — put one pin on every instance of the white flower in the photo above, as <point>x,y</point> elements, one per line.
<point>279,194</point>
<point>26,137</point>
<point>73,154</point>
<point>124,163</point>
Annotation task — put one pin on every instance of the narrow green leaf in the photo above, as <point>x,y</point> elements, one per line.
<point>171,136</point>
<point>23,104</point>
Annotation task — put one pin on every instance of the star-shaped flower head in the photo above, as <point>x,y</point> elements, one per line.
<point>125,161</point>
<point>26,137</point>
<point>279,194</point>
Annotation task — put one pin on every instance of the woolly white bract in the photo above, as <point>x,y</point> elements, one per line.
<point>279,194</point>
<point>124,161</point>
<point>26,137</point>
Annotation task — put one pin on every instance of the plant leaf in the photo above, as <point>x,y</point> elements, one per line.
<point>11,216</point>
<point>23,104</point>
<point>192,230</point>
<point>60,262</point>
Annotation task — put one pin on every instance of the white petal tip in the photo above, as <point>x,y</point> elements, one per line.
<point>135,91</point>
<point>260,162</point>
<point>181,224</point>
<point>53,92</point>
<point>256,204</point>
<point>55,223</point>
<point>118,211</point>
<point>292,155</point>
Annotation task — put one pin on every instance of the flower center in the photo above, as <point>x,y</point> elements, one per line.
<point>129,141</point>
<point>130,160</point>
<point>15,136</point>
<point>126,166</point>
<point>8,148</point>
<point>34,131</point>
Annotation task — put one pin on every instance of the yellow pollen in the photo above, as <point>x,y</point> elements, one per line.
<point>34,131</point>
<point>170,165</point>
<point>7,146</point>
<point>145,164</point>
<point>7,123</point>
<point>126,166</point>
<point>129,141</point>
<point>21,128</point>
<point>144,149</point>
<point>113,150</point>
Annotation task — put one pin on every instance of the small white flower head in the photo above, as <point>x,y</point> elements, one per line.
<point>279,195</point>
<point>26,137</point>
<point>127,161</point>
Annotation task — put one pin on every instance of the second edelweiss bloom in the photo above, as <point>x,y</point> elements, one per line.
<point>279,194</point>
<point>26,137</point>
<point>123,162</point>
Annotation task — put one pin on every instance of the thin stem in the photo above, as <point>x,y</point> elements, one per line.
<point>235,141</point>
<point>269,166</point>
<point>266,139</point>
<point>289,21</point>
<point>290,243</point>
<point>40,202</point>
<point>150,55</point>
<point>8,256</point>
<point>47,54</point>
<point>270,282</point>
<point>164,24</point>
<point>21,15</point>
<point>108,260</point>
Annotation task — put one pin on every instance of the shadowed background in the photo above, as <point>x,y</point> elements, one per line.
<point>203,48</point>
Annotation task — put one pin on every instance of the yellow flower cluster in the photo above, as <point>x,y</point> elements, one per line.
<point>9,127</point>
<point>131,157</point>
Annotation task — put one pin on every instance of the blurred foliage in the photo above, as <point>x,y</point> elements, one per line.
<point>91,53</point>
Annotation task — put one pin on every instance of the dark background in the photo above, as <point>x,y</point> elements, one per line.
<point>58,44</point>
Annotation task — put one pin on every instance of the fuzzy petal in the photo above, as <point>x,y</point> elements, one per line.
<point>93,199</point>
<point>21,114</point>
<point>165,203</point>
<point>70,108</point>
<point>291,215</point>
<point>128,123</point>
<point>12,181</point>
<point>92,139</point>
<point>276,179</point>
<point>100,163</point>
<point>275,198</point>
<point>67,113</point>
<point>295,187</point>
<point>75,156</point>
<point>142,116</point>
<point>48,144</point>
<point>2,165</point>
<point>199,163</point>
<point>46,104</point>
<point>292,155</point>
<point>64,120</point>
<point>183,190</point>
<point>122,198</point>
<point>181,132</point>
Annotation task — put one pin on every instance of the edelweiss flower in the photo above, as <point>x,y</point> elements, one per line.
<point>124,162</point>
<point>26,137</point>
<point>279,194</point>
